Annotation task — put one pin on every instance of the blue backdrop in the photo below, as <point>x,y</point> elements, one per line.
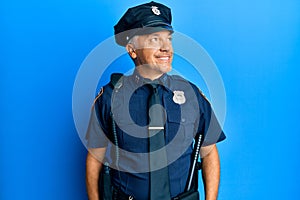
<point>255,45</point>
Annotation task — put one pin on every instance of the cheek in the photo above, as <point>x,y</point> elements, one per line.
<point>146,56</point>
<point>149,55</point>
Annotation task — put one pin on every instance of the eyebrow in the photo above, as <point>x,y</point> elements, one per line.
<point>157,34</point>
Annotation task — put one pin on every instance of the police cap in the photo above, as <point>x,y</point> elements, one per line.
<point>143,19</point>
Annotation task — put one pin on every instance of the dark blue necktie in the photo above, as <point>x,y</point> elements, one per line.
<point>159,177</point>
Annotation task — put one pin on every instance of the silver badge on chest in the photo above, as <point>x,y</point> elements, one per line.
<point>155,10</point>
<point>179,97</point>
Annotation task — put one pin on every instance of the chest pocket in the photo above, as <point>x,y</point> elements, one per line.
<point>130,119</point>
<point>181,130</point>
<point>178,123</point>
<point>131,136</point>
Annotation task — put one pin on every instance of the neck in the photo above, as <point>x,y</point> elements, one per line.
<point>152,76</point>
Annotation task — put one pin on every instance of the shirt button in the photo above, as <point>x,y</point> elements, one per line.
<point>183,120</point>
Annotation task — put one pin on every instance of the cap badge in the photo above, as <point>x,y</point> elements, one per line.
<point>179,97</point>
<point>155,10</point>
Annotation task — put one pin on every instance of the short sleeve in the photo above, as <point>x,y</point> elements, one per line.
<point>95,135</point>
<point>209,125</point>
<point>213,132</point>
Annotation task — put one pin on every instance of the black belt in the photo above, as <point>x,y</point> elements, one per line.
<point>119,195</point>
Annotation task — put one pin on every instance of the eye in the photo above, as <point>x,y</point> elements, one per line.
<point>154,39</point>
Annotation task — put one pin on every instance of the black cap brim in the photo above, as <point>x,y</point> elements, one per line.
<point>124,37</point>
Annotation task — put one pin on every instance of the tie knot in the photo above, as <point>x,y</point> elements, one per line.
<point>152,85</point>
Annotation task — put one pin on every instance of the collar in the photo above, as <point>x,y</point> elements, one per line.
<point>138,80</point>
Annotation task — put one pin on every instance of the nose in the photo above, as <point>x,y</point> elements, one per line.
<point>166,45</point>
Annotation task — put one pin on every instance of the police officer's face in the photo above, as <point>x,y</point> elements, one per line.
<point>153,54</point>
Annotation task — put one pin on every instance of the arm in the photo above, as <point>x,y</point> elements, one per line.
<point>93,167</point>
<point>210,171</point>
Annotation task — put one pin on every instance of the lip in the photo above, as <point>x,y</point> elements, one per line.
<point>165,58</point>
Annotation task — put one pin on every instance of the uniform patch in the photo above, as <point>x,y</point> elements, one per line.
<point>179,97</point>
<point>97,97</point>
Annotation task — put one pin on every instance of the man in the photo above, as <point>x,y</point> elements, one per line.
<point>148,160</point>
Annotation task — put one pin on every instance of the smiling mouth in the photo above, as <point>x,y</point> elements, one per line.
<point>164,58</point>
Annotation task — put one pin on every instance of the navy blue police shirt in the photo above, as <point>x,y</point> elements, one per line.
<point>187,113</point>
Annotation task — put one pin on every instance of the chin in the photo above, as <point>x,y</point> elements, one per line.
<point>166,69</point>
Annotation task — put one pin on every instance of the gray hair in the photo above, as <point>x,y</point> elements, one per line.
<point>134,41</point>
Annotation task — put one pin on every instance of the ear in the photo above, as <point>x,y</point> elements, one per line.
<point>131,51</point>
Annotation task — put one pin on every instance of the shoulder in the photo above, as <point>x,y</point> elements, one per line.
<point>177,78</point>
<point>117,81</point>
<point>176,81</point>
<point>103,96</point>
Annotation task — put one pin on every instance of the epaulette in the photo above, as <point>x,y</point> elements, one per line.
<point>178,78</point>
<point>116,80</point>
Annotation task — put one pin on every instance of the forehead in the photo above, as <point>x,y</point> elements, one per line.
<point>157,34</point>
